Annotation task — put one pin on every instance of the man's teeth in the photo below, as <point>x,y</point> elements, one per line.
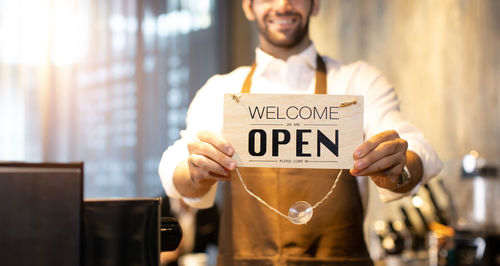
<point>283,21</point>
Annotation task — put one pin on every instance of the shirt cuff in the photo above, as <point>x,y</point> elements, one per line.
<point>203,202</point>
<point>431,164</point>
<point>166,172</point>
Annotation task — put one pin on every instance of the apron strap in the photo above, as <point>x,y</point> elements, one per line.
<point>320,76</point>
<point>320,87</point>
<point>248,80</point>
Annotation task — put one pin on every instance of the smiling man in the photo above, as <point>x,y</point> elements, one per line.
<point>395,155</point>
<point>282,28</point>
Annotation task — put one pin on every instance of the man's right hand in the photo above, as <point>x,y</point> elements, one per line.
<point>209,161</point>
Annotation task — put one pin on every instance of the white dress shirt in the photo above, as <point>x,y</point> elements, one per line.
<point>297,76</point>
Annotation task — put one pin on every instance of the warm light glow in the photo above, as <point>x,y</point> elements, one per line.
<point>398,225</point>
<point>57,31</point>
<point>388,243</point>
<point>379,227</point>
<point>470,161</point>
<point>442,230</point>
<point>70,32</point>
<point>417,201</point>
<point>24,31</point>
<point>43,31</point>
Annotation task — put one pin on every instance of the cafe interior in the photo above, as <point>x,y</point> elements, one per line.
<point>93,92</point>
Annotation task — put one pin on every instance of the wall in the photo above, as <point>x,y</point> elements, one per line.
<point>441,56</point>
<point>443,59</point>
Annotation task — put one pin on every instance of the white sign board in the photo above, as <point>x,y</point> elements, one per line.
<point>293,130</point>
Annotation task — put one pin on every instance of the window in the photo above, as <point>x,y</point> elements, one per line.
<point>104,82</point>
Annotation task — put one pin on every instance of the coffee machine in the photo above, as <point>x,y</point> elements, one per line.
<point>477,223</point>
<point>127,232</point>
<point>45,221</point>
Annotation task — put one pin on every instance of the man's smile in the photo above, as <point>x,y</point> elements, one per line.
<point>283,22</point>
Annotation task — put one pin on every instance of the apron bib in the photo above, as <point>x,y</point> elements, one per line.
<point>252,234</point>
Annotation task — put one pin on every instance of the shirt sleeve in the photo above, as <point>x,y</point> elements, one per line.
<point>204,113</point>
<point>382,113</point>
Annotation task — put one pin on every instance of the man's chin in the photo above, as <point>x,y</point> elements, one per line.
<point>284,42</point>
<point>287,39</point>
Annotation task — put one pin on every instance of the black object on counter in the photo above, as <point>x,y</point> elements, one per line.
<point>126,232</point>
<point>422,218</point>
<point>437,209</point>
<point>40,213</point>
<point>486,171</point>
<point>417,239</point>
<point>473,248</point>
<point>171,234</point>
<point>452,209</point>
<point>397,238</point>
<point>407,220</point>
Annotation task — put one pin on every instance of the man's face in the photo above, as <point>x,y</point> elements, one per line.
<point>282,23</point>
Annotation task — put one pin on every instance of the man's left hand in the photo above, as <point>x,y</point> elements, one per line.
<point>382,157</point>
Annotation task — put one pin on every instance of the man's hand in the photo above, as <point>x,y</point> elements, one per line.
<point>383,158</point>
<point>209,161</point>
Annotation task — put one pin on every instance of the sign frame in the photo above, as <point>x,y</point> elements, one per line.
<point>293,130</point>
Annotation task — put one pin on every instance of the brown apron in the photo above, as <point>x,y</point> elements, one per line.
<point>252,234</point>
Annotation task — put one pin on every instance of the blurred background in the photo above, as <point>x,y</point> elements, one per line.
<point>105,82</point>
<point>109,82</point>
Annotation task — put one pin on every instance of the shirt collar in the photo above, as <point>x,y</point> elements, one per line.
<point>263,59</point>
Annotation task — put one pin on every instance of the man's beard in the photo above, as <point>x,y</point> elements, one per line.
<point>297,36</point>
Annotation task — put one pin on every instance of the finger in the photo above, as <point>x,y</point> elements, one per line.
<point>208,150</point>
<point>207,167</point>
<point>369,145</point>
<point>395,171</point>
<point>390,165</point>
<point>397,146</point>
<point>204,168</point>
<point>217,141</point>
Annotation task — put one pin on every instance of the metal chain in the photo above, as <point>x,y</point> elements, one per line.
<point>274,209</point>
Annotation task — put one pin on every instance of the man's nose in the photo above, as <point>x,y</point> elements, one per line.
<point>284,5</point>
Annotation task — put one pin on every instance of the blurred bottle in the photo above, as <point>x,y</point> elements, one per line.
<point>417,238</point>
<point>391,240</point>
<point>439,213</point>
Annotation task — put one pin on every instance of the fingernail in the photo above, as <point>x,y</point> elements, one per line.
<point>358,154</point>
<point>229,150</point>
<point>230,165</point>
<point>358,165</point>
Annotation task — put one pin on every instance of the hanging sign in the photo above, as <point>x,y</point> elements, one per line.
<point>293,131</point>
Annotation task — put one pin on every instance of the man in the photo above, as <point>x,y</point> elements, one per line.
<point>395,155</point>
